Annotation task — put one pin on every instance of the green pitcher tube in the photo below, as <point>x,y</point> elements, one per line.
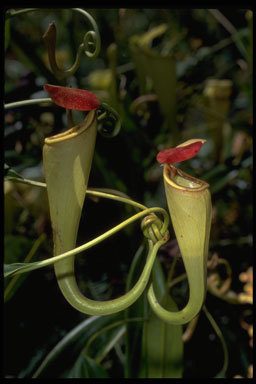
<point>189,203</point>
<point>67,159</point>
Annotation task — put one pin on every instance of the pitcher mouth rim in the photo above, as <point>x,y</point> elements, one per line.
<point>170,172</point>
<point>74,131</point>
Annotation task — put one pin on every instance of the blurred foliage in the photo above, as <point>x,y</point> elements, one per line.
<point>134,73</point>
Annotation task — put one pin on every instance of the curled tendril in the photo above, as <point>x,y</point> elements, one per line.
<point>109,121</point>
<point>152,228</point>
<point>91,39</point>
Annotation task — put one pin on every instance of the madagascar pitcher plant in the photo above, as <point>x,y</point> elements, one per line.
<point>189,203</point>
<point>67,161</point>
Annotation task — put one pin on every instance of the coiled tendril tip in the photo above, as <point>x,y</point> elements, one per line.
<point>151,227</point>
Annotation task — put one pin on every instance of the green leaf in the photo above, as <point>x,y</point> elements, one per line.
<point>138,309</point>
<point>7,33</point>
<point>162,70</point>
<point>162,346</point>
<point>15,268</point>
<point>136,44</point>
<point>15,248</point>
<point>138,62</point>
<point>86,368</point>
<point>220,375</point>
<point>159,279</point>
<point>73,343</point>
<point>10,173</point>
<point>110,341</point>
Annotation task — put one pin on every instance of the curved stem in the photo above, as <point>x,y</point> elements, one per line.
<point>50,41</point>
<point>116,198</point>
<point>195,302</point>
<point>72,294</point>
<point>96,32</point>
<point>24,103</point>
<point>177,280</point>
<point>220,336</point>
<point>12,12</point>
<point>92,192</point>
<point>90,38</point>
<point>26,181</point>
<point>22,268</point>
<point>187,335</point>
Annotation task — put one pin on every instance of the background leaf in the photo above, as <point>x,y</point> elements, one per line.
<point>7,33</point>
<point>70,347</point>
<point>138,309</point>
<point>86,368</point>
<point>162,346</point>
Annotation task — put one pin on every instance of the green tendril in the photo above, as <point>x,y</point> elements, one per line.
<point>91,40</point>
<point>109,121</point>
<point>14,269</point>
<point>24,103</point>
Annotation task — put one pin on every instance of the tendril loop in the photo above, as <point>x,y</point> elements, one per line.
<point>109,121</point>
<point>151,227</point>
<point>90,40</point>
<point>91,37</point>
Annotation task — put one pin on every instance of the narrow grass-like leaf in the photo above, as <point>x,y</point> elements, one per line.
<point>110,343</point>
<point>86,368</point>
<point>222,373</point>
<point>162,346</point>
<point>162,70</point>
<point>6,33</point>
<point>16,268</point>
<point>17,280</point>
<point>73,342</point>
<point>138,309</point>
<point>11,173</point>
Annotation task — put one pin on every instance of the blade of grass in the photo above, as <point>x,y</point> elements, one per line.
<point>15,280</point>
<point>83,330</point>
<point>218,332</point>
